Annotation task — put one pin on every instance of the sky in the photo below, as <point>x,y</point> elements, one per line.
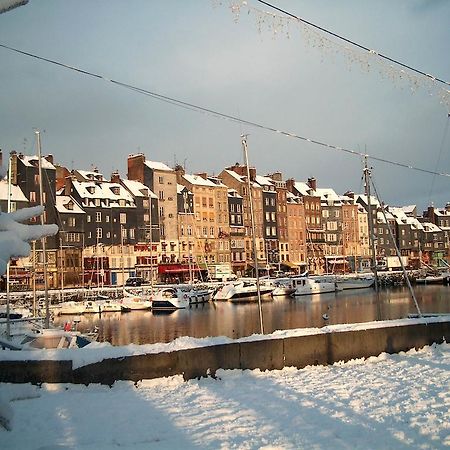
<point>201,53</point>
<point>391,401</point>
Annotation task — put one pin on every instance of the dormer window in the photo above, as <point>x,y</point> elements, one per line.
<point>69,206</point>
<point>91,189</point>
<point>115,190</point>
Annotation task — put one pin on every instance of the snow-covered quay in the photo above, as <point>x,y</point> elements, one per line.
<point>396,401</point>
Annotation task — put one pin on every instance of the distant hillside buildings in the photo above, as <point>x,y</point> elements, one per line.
<point>164,224</point>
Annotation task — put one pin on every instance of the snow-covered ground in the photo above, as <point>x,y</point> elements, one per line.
<point>389,402</point>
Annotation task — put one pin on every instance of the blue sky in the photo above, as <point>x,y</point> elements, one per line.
<point>196,52</point>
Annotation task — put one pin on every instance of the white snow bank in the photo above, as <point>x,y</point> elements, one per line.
<point>391,401</point>
<point>96,351</point>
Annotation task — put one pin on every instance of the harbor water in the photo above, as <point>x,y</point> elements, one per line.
<point>239,320</point>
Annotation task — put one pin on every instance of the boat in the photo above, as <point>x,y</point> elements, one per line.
<point>433,279</point>
<point>179,297</point>
<point>169,299</point>
<point>131,302</point>
<point>350,281</point>
<point>71,308</point>
<point>110,305</point>
<point>195,294</point>
<point>283,287</point>
<point>242,290</point>
<point>310,286</point>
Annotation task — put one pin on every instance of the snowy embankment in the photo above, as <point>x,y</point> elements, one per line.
<point>392,401</point>
<point>96,352</point>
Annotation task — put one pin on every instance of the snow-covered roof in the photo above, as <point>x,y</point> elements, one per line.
<point>373,200</point>
<point>198,180</point>
<point>429,227</point>
<point>66,204</point>
<point>112,194</point>
<point>16,193</point>
<point>90,175</point>
<point>233,193</point>
<point>138,189</point>
<point>263,181</point>
<point>328,195</point>
<point>235,175</point>
<point>409,209</point>
<point>303,188</point>
<point>32,161</point>
<point>156,165</point>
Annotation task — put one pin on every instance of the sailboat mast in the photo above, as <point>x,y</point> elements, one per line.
<point>8,298</point>
<point>185,200</point>
<point>150,210</point>
<point>371,231</point>
<point>43,242</point>
<point>252,220</point>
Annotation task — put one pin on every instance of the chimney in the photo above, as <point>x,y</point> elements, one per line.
<point>312,183</point>
<point>49,158</point>
<point>1,157</point>
<point>350,194</point>
<point>115,177</point>
<point>447,207</point>
<point>68,185</point>
<point>290,184</point>
<point>179,170</point>
<point>203,175</point>
<point>136,167</point>
<point>276,176</point>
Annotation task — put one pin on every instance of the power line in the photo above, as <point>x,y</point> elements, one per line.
<point>193,107</point>
<point>349,41</point>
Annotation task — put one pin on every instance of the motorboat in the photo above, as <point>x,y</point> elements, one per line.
<point>310,286</point>
<point>110,305</point>
<point>71,308</point>
<point>350,281</point>
<point>131,302</point>
<point>242,290</point>
<point>180,296</point>
<point>283,287</point>
<point>29,335</point>
<point>169,298</point>
<point>194,293</point>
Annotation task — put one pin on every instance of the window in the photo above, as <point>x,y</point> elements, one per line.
<point>32,196</point>
<point>99,233</point>
<point>98,216</point>
<point>161,195</point>
<point>211,231</point>
<point>71,222</point>
<point>161,180</point>
<point>131,233</point>
<point>88,218</point>
<point>161,211</point>
<point>123,218</point>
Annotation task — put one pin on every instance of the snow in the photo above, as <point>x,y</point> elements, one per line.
<point>392,401</point>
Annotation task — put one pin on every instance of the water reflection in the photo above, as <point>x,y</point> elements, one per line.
<point>238,320</point>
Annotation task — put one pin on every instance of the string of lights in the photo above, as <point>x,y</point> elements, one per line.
<point>332,44</point>
<point>211,112</point>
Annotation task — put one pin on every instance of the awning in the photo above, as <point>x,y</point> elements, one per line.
<point>193,269</point>
<point>289,264</point>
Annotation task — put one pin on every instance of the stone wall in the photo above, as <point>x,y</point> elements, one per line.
<point>265,354</point>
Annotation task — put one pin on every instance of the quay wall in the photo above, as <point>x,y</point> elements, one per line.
<point>266,354</point>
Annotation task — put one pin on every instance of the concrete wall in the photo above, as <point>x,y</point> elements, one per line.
<point>267,354</point>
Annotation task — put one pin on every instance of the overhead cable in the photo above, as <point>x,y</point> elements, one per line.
<point>218,114</point>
